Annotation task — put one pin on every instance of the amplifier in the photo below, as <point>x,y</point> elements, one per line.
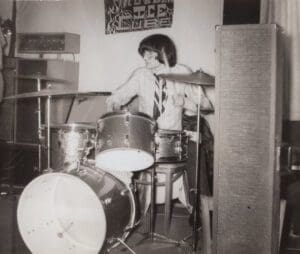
<point>52,68</point>
<point>57,43</point>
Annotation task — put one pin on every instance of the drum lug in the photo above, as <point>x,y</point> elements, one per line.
<point>178,149</point>
<point>82,172</point>
<point>124,192</point>
<point>100,126</point>
<point>133,186</point>
<point>109,141</point>
<point>156,140</point>
<point>153,146</point>
<point>107,201</point>
<point>153,129</point>
<point>126,140</point>
<point>127,119</point>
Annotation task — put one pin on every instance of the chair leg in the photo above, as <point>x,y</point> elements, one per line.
<point>186,189</point>
<point>168,201</point>
<point>281,218</point>
<point>206,206</point>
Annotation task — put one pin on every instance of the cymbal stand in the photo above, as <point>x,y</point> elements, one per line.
<point>48,132</point>
<point>39,127</point>
<point>152,211</point>
<point>197,180</point>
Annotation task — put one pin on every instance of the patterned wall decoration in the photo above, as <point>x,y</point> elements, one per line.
<point>137,15</point>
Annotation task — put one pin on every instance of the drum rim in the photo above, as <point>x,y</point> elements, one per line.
<point>151,155</point>
<point>123,112</point>
<point>165,131</point>
<point>74,126</point>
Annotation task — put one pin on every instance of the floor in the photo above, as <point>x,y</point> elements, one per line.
<point>179,239</point>
<point>139,241</point>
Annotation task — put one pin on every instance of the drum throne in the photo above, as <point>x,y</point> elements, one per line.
<point>171,182</point>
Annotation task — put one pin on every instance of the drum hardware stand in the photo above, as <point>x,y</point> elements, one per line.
<point>39,127</point>
<point>48,132</point>
<point>48,146</point>
<point>121,242</point>
<point>195,204</point>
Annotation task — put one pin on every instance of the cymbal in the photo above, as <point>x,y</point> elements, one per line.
<point>43,77</point>
<point>196,78</point>
<point>54,93</point>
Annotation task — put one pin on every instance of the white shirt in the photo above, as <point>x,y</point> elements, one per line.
<point>142,84</point>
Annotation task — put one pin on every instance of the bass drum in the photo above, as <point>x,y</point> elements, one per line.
<point>80,213</point>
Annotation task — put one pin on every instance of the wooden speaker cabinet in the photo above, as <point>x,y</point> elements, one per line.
<point>247,137</point>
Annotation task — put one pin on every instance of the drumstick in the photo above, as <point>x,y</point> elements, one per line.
<point>165,59</point>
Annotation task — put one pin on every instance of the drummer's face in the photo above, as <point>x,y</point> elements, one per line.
<point>150,58</point>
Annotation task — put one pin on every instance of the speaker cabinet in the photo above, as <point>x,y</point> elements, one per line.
<point>7,107</point>
<point>247,137</point>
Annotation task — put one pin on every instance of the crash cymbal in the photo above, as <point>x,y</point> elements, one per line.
<point>44,78</point>
<point>196,78</point>
<point>54,93</point>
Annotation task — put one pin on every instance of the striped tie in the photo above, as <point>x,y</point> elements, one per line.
<point>160,96</point>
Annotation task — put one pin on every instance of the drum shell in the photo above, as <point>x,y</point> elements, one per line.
<point>171,146</point>
<point>116,198</point>
<point>69,143</point>
<point>125,142</point>
<point>125,130</point>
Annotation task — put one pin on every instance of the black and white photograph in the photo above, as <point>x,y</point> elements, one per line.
<point>149,126</point>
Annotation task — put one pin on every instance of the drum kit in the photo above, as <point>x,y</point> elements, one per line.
<point>77,205</point>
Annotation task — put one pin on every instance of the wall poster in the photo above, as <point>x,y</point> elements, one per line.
<point>136,15</point>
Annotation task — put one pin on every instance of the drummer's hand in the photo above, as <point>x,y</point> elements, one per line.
<point>178,100</point>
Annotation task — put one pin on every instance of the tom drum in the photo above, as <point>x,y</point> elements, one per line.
<point>171,146</point>
<point>70,143</point>
<point>125,141</point>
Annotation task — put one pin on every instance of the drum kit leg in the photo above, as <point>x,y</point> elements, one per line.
<point>74,205</point>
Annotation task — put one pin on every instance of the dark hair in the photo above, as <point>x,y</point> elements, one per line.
<point>159,43</point>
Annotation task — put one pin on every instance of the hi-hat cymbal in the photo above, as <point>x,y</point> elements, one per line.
<point>44,78</point>
<point>54,93</point>
<point>196,78</point>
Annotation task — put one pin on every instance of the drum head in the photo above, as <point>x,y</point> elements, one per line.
<point>59,213</point>
<point>124,159</point>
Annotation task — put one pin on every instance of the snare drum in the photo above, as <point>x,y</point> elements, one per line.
<point>70,143</point>
<point>171,146</point>
<point>125,141</point>
<point>79,213</point>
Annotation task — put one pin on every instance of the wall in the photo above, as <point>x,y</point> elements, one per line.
<point>107,60</point>
<point>5,9</point>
